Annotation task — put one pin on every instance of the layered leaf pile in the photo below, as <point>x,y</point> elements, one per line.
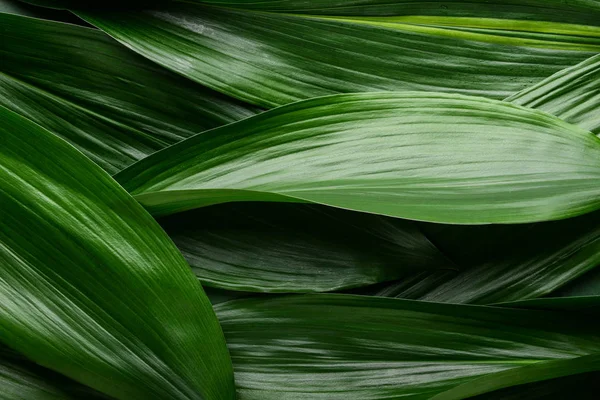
<point>322,199</point>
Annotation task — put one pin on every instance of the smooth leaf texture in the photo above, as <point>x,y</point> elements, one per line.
<point>572,94</point>
<point>21,379</point>
<point>354,347</point>
<point>272,59</point>
<point>111,104</point>
<point>91,286</point>
<point>21,8</point>
<point>585,304</point>
<point>298,248</point>
<point>423,156</point>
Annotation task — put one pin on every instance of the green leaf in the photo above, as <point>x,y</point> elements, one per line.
<point>273,59</point>
<point>354,347</point>
<point>572,94</point>
<point>523,375</point>
<point>587,304</point>
<point>113,105</point>
<point>298,248</point>
<point>423,156</point>
<point>21,379</point>
<point>91,285</point>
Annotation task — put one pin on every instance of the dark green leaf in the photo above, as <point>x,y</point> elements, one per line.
<point>272,59</point>
<point>572,94</point>
<point>424,156</point>
<point>91,286</point>
<point>353,347</point>
<point>21,379</point>
<point>587,304</point>
<point>298,248</point>
<point>111,104</point>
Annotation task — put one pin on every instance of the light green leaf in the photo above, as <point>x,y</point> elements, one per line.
<point>20,379</point>
<point>572,94</point>
<point>353,347</point>
<point>91,286</point>
<point>111,104</point>
<point>423,156</point>
<point>298,248</point>
<point>272,59</point>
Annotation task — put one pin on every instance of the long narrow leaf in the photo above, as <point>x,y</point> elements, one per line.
<point>354,347</point>
<point>434,157</point>
<point>572,94</point>
<point>90,286</point>
<point>298,248</point>
<point>273,59</point>
<point>111,104</point>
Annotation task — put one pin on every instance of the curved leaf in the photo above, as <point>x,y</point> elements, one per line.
<point>24,9</point>
<point>523,375</point>
<point>572,94</point>
<point>587,304</point>
<point>273,59</point>
<point>91,286</point>
<point>424,156</point>
<point>21,379</point>
<point>111,104</point>
<point>298,248</point>
<point>354,347</point>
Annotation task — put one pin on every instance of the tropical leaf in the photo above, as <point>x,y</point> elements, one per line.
<point>111,104</point>
<point>425,156</point>
<point>356,347</point>
<point>271,59</point>
<point>572,94</point>
<point>298,248</point>
<point>21,8</point>
<point>586,304</point>
<point>91,286</point>
<point>21,379</point>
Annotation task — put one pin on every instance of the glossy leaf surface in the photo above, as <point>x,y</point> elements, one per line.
<point>113,105</point>
<point>572,94</point>
<point>354,347</point>
<point>298,248</point>
<point>91,286</point>
<point>424,156</point>
<point>272,59</point>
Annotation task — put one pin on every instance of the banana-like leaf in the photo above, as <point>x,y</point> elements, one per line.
<point>21,379</point>
<point>414,155</point>
<point>112,104</point>
<point>354,347</point>
<point>572,94</point>
<point>91,286</point>
<point>298,248</point>
<point>272,59</point>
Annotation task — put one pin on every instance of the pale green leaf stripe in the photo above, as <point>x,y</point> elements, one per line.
<point>273,59</point>
<point>572,94</point>
<point>368,348</point>
<point>112,104</point>
<point>91,286</point>
<point>298,248</point>
<point>414,155</point>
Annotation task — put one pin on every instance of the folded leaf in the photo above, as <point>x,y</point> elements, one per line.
<point>21,379</point>
<point>91,286</point>
<point>111,104</point>
<point>354,347</point>
<point>272,59</point>
<point>572,94</point>
<point>423,156</point>
<point>298,248</point>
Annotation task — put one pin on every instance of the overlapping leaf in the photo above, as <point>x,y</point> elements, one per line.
<point>572,94</point>
<point>272,59</point>
<point>90,286</point>
<point>298,248</point>
<point>425,156</point>
<point>354,347</point>
<point>111,104</point>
